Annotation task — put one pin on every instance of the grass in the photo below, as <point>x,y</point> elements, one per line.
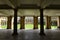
<point>28,26</point>
<point>3,27</point>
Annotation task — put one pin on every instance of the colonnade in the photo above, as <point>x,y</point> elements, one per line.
<point>22,20</point>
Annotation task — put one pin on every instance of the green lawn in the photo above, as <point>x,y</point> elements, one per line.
<point>27,26</point>
<point>3,27</point>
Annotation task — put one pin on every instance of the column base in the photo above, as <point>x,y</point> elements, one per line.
<point>35,28</point>
<point>8,28</point>
<point>14,34</point>
<point>48,28</point>
<point>42,34</point>
<point>58,27</point>
<point>22,28</point>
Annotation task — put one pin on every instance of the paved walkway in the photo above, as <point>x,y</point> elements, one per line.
<point>6,34</point>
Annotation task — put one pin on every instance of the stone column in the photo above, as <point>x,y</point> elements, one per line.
<point>15,22</point>
<point>22,22</point>
<point>0,22</point>
<point>9,22</point>
<point>58,21</point>
<point>35,22</point>
<point>48,22</point>
<point>41,23</point>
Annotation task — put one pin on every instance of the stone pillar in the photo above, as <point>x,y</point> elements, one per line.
<point>15,22</point>
<point>35,22</point>
<point>22,22</point>
<point>41,23</point>
<point>9,22</point>
<point>0,22</point>
<point>58,21</point>
<point>12,24</point>
<point>48,22</point>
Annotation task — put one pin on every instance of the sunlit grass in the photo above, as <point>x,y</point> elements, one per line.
<point>53,27</point>
<point>27,26</point>
<point>3,27</point>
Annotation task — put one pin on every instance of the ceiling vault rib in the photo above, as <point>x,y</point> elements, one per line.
<point>12,3</point>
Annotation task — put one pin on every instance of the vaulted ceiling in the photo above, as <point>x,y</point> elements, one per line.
<point>51,7</point>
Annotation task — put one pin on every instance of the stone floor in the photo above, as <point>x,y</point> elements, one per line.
<point>6,34</point>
